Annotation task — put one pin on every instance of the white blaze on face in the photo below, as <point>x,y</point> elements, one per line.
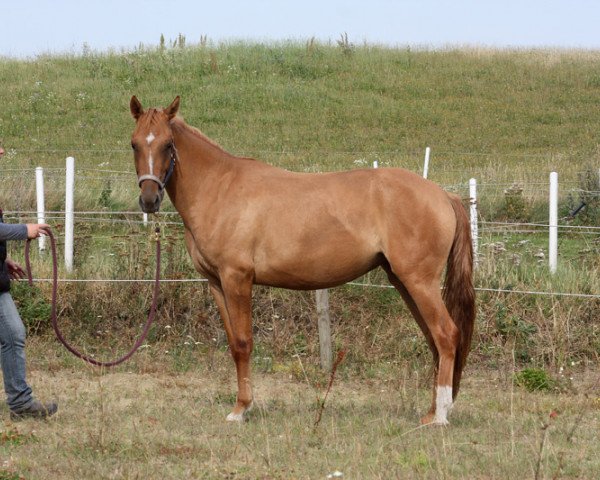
<point>150,138</point>
<point>443,404</point>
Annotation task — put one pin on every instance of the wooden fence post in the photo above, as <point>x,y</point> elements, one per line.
<point>322,298</point>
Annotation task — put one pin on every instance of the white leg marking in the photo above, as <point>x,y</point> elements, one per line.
<point>443,404</point>
<point>239,417</point>
<point>235,417</point>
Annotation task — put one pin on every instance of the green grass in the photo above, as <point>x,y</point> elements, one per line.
<point>316,107</point>
<point>501,116</point>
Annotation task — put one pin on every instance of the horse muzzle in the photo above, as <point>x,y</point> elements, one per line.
<point>150,199</point>
<point>150,205</point>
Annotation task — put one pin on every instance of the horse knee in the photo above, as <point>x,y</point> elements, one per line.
<point>241,347</point>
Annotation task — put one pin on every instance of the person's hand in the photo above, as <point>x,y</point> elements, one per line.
<point>15,271</point>
<point>34,230</point>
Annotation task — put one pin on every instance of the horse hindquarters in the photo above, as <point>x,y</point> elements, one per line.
<point>447,322</point>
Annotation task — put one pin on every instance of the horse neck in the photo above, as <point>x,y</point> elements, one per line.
<point>200,166</point>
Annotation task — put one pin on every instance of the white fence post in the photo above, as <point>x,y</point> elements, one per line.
<point>39,193</point>
<point>375,164</point>
<point>426,164</point>
<point>553,223</point>
<point>473,216</point>
<point>145,219</point>
<point>69,213</point>
<point>322,298</point>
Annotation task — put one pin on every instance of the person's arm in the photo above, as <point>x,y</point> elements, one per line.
<point>22,231</point>
<point>13,232</point>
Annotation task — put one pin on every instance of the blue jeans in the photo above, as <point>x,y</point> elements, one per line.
<point>12,354</point>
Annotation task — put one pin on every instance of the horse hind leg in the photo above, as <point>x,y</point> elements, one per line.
<point>433,317</point>
<point>446,337</point>
<point>412,306</point>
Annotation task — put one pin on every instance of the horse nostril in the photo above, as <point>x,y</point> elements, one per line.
<point>149,203</point>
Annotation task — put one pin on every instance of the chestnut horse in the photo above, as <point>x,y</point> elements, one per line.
<point>248,223</point>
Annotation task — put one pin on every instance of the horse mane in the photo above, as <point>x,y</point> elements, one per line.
<point>179,123</point>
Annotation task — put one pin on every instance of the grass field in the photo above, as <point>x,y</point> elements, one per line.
<point>506,117</point>
<point>147,420</point>
<point>317,106</point>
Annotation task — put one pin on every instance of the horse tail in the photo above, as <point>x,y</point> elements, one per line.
<point>459,293</point>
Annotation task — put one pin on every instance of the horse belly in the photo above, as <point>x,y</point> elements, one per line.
<point>322,265</point>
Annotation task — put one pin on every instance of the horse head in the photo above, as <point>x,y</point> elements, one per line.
<point>153,151</point>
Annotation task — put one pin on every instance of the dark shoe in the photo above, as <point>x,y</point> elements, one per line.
<point>35,409</point>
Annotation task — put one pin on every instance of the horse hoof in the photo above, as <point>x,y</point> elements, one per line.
<point>239,413</point>
<point>428,419</point>
<point>443,422</point>
<point>235,417</point>
<point>431,420</point>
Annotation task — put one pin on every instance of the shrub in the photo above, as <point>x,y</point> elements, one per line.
<point>534,379</point>
<point>515,209</point>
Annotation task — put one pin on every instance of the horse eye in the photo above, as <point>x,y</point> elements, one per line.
<point>133,146</point>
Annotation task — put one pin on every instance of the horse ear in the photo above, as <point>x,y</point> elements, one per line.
<point>136,107</point>
<point>172,109</point>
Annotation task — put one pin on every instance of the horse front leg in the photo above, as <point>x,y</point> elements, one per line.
<point>236,301</point>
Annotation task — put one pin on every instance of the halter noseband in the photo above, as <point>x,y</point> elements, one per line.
<point>154,178</point>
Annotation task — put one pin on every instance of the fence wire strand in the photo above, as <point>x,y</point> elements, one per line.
<point>119,175</point>
<point>356,284</point>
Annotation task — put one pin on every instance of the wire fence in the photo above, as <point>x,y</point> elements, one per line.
<point>99,182</point>
<point>355,284</point>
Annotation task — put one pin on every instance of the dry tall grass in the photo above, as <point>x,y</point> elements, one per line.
<point>148,421</point>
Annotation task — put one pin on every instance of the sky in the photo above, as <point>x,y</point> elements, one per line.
<point>33,27</point>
